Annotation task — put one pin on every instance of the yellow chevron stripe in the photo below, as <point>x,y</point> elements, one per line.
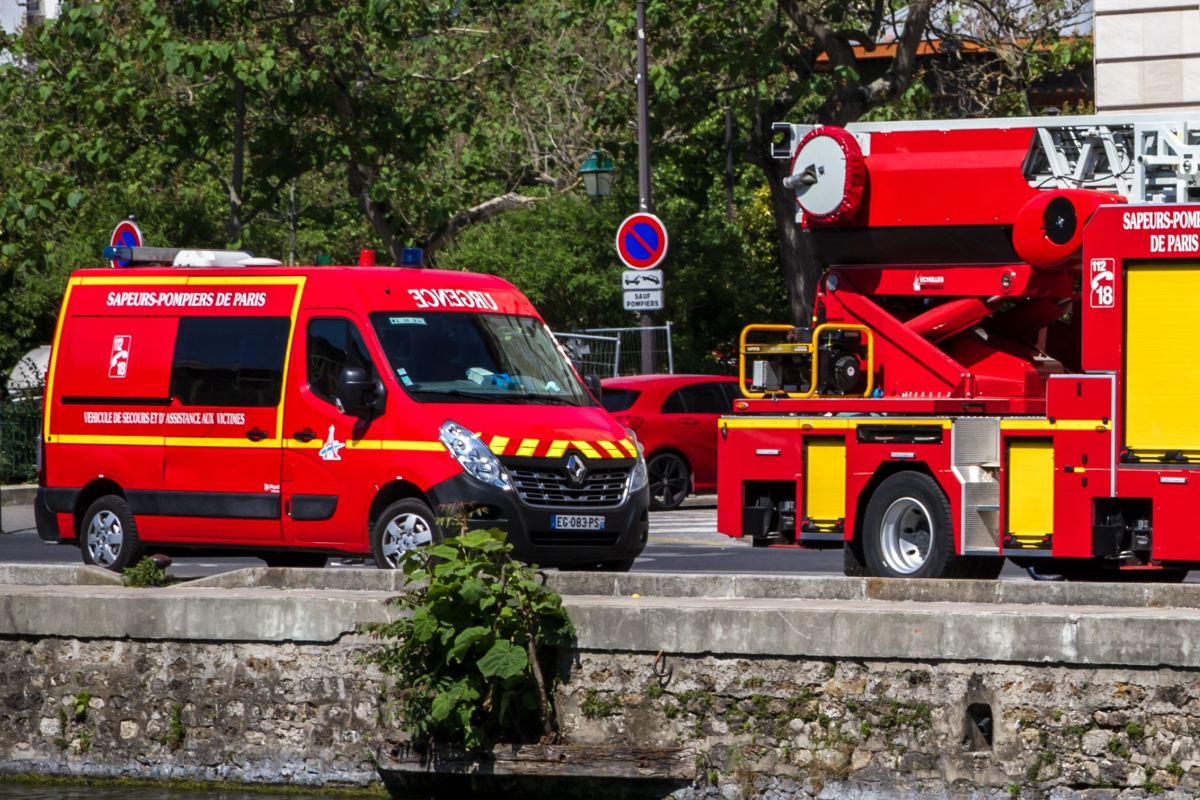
<point>527,447</point>
<point>498,444</point>
<point>557,448</point>
<point>611,449</point>
<point>586,449</point>
<point>629,448</point>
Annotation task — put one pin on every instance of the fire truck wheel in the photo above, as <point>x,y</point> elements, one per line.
<point>908,531</point>
<point>108,537</point>
<point>402,526</point>
<point>853,563</point>
<point>670,480</point>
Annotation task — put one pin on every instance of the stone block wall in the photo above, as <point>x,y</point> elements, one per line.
<point>240,712</point>
<point>791,728</point>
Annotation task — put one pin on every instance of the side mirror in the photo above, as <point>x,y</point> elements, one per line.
<point>360,395</point>
<point>592,381</point>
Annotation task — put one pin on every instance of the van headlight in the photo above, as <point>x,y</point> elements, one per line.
<point>476,458</point>
<point>637,478</point>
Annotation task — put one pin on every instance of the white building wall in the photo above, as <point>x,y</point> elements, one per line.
<point>1147,55</point>
<point>12,15</point>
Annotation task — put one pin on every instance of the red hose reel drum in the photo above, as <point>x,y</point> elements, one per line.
<point>828,174</point>
<point>1048,230</point>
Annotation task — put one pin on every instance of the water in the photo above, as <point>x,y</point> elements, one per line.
<point>42,791</point>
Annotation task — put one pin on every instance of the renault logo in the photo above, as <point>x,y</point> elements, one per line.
<point>576,470</point>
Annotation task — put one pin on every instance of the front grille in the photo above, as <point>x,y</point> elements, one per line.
<point>548,487</point>
<point>574,538</point>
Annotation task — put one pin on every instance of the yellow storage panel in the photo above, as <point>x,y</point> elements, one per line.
<point>1162,384</point>
<point>825,481</point>
<point>1030,491</point>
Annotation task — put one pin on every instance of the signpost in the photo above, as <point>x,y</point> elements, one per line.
<point>642,241</point>
<point>126,234</point>
<point>647,300</point>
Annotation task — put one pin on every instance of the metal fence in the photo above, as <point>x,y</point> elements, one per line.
<point>629,350</point>
<point>20,427</point>
<point>598,354</point>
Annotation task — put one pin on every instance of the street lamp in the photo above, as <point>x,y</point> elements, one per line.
<point>597,172</point>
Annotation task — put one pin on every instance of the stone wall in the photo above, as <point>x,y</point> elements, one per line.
<point>241,712</point>
<point>895,728</point>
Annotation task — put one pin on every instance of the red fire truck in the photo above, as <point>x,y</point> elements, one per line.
<point>997,366</point>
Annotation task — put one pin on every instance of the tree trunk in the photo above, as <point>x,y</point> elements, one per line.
<point>233,229</point>
<point>376,213</point>
<point>797,253</point>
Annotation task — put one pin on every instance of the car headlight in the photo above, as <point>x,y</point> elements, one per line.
<point>637,477</point>
<point>476,459</point>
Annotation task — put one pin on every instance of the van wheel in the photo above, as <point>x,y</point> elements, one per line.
<point>403,526</point>
<point>669,481</point>
<point>908,532</point>
<point>108,537</point>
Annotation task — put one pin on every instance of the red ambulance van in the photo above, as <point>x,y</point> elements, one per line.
<point>295,412</point>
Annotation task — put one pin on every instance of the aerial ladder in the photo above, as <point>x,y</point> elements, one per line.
<point>997,364</point>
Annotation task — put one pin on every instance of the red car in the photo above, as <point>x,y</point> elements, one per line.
<point>675,418</point>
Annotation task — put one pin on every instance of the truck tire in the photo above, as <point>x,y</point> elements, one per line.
<point>853,563</point>
<point>403,526</point>
<point>108,536</point>
<point>908,532</point>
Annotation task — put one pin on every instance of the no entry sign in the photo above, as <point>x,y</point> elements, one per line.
<point>126,234</point>
<point>642,241</point>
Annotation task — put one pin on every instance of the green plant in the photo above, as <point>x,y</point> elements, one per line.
<point>1149,786</point>
<point>1014,790</point>
<point>146,574</point>
<point>864,728</point>
<point>470,660</point>
<point>593,707</point>
<point>80,705</point>
<point>1117,747</point>
<point>1044,758</point>
<point>176,732</point>
<point>85,741</point>
<point>1134,730</point>
<point>1175,769</point>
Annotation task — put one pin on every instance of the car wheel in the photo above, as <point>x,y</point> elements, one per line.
<point>108,537</point>
<point>908,531</point>
<point>669,479</point>
<point>403,526</point>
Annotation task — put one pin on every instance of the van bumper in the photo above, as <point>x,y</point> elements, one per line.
<point>531,532</point>
<point>45,519</point>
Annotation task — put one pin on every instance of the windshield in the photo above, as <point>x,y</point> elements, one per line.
<point>442,357</point>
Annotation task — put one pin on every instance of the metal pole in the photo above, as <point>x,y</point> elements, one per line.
<point>645,199</point>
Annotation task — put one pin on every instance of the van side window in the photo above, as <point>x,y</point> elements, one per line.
<point>229,361</point>
<point>333,345</point>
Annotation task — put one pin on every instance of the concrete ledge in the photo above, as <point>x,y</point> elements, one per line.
<point>248,615</point>
<point>57,575</point>
<point>362,580</point>
<point>17,495</point>
<point>1116,595</point>
<point>866,629</point>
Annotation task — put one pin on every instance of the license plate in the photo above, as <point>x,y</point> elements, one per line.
<point>569,522</point>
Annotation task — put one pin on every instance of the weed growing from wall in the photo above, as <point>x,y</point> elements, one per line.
<point>470,661</point>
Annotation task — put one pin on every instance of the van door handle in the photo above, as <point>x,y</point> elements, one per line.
<point>256,434</point>
<point>690,421</point>
<point>306,435</point>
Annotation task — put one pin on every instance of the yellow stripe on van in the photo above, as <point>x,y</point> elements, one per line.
<point>55,352</point>
<point>498,444</point>
<point>527,447</point>
<point>557,448</point>
<point>399,444</point>
<point>611,449</point>
<point>586,449</point>
<point>144,441</point>
<point>629,447</point>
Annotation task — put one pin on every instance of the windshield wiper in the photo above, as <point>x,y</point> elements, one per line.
<point>491,398</point>
<point>550,399</point>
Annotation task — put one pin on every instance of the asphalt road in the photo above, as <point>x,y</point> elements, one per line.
<point>685,540</point>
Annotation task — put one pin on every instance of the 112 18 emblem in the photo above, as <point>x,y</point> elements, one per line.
<point>118,362</point>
